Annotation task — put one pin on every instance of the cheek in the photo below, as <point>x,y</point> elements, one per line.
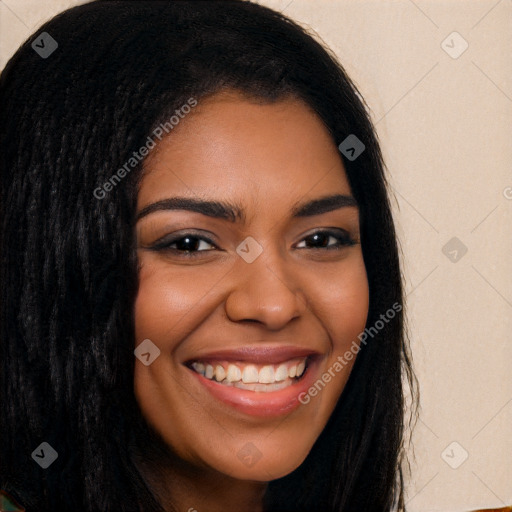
<point>166,301</point>
<point>342,300</point>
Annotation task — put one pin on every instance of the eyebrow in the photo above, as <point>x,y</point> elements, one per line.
<point>324,205</point>
<point>234,213</point>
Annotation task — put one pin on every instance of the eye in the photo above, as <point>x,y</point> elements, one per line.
<point>327,239</point>
<point>184,244</point>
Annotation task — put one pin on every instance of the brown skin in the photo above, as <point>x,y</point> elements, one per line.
<point>266,158</point>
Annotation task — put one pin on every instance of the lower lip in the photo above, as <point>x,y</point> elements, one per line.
<point>254,403</point>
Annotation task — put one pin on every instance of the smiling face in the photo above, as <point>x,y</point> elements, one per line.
<point>251,274</point>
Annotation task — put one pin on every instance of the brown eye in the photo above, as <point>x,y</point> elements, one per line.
<point>187,244</point>
<point>327,240</point>
<point>190,243</point>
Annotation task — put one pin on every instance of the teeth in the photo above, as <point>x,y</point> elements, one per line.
<point>281,373</point>
<point>234,373</point>
<point>220,373</point>
<point>262,387</point>
<point>250,374</point>
<point>266,375</point>
<point>198,367</point>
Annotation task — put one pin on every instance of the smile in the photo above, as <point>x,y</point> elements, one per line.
<point>256,381</point>
<point>259,378</point>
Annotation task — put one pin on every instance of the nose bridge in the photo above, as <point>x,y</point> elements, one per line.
<point>265,290</point>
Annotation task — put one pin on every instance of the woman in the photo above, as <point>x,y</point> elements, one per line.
<point>197,184</point>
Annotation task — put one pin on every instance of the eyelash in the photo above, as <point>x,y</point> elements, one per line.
<point>342,237</point>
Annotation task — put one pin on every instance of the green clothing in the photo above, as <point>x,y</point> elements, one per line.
<point>8,504</point>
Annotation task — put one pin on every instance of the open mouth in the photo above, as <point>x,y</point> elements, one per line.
<point>263,378</point>
<point>255,380</point>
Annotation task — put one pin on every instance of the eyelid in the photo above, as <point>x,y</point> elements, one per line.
<point>336,232</point>
<point>165,241</point>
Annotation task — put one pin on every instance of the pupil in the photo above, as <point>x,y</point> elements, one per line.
<point>319,237</point>
<point>184,243</point>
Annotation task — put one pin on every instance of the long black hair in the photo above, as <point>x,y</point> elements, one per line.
<point>68,266</point>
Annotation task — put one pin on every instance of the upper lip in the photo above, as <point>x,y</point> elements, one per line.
<point>257,354</point>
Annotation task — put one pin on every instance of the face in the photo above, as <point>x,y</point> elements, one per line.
<point>252,285</point>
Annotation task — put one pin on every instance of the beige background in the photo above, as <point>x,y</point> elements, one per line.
<point>445,127</point>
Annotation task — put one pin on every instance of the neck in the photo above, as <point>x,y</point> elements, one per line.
<point>183,486</point>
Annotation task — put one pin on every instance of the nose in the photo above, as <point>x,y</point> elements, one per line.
<point>264,292</point>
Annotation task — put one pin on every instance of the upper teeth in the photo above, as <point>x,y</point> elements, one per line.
<point>250,373</point>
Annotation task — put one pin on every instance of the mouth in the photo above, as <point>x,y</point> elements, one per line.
<point>261,378</point>
<point>255,381</point>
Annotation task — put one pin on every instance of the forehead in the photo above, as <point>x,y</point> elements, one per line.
<point>237,147</point>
